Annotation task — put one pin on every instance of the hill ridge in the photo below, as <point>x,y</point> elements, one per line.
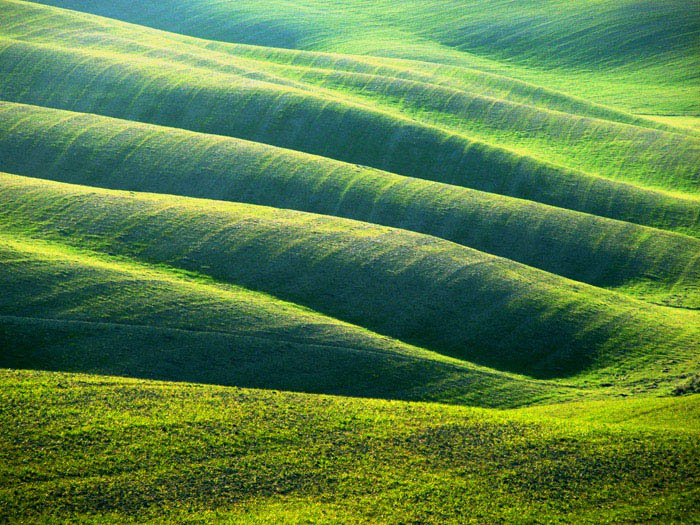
<point>110,153</point>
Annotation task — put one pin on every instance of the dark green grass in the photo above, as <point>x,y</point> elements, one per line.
<point>416,288</point>
<point>221,358</point>
<point>475,140</point>
<point>98,151</point>
<point>148,90</point>
<point>434,173</point>
<point>71,311</point>
<point>102,449</point>
<point>568,137</point>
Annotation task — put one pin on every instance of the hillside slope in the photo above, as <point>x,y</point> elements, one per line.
<point>409,286</point>
<point>417,129</point>
<point>85,149</point>
<point>66,310</point>
<point>637,54</point>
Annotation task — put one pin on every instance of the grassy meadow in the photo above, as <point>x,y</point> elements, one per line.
<point>112,449</point>
<point>334,261</point>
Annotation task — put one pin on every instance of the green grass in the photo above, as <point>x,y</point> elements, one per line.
<point>320,261</point>
<point>390,281</point>
<point>66,310</point>
<point>99,449</point>
<point>640,55</point>
<point>690,125</point>
<point>596,145</point>
<point>393,124</point>
<point>93,150</point>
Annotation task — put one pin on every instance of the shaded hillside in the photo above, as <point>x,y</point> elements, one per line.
<point>311,261</point>
<point>420,289</point>
<point>620,52</point>
<point>65,310</point>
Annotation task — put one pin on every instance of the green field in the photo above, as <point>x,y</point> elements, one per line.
<point>335,261</point>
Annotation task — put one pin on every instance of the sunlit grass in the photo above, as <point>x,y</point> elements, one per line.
<point>401,284</point>
<point>114,450</point>
<point>335,261</point>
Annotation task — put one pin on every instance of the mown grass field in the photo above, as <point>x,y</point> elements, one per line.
<point>339,261</point>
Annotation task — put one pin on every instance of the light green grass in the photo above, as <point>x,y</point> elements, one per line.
<point>640,55</point>
<point>594,145</point>
<point>375,213</point>
<point>419,129</point>
<point>103,449</point>
<point>688,124</point>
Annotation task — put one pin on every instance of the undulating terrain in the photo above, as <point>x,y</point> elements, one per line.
<point>345,261</point>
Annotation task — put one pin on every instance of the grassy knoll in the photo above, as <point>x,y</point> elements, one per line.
<point>230,104</point>
<point>99,449</point>
<point>416,288</point>
<point>65,310</point>
<point>22,19</point>
<point>86,149</point>
<point>339,261</point>
<point>575,135</point>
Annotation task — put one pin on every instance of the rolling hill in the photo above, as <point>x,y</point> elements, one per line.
<point>88,149</point>
<point>340,261</point>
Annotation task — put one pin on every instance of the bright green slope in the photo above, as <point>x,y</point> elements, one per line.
<point>85,149</point>
<point>642,55</point>
<point>21,17</point>
<point>128,451</point>
<point>408,127</point>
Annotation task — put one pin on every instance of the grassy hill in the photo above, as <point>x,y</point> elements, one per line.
<point>413,287</point>
<point>104,152</point>
<point>455,246</point>
<point>402,128</point>
<point>621,52</point>
<point>62,309</point>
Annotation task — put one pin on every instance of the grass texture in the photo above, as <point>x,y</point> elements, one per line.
<point>65,310</point>
<point>412,287</point>
<point>111,449</point>
<point>86,149</point>
<point>339,261</point>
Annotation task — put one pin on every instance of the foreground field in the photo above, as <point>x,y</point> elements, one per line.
<point>430,261</point>
<point>135,451</point>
